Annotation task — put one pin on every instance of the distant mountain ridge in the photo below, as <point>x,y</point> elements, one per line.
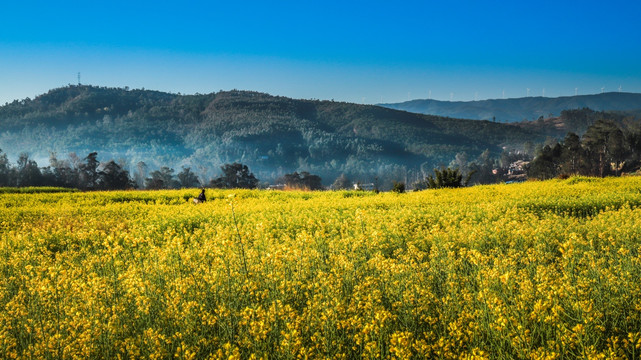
<point>519,109</point>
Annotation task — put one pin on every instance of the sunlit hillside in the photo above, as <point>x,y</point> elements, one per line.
<point>273,135</point>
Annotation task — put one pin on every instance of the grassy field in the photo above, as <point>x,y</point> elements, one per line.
<point>534,270</point>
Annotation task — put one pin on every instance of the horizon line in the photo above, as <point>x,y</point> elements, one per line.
<point>127,88</point>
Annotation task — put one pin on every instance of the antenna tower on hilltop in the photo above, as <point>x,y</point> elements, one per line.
<point>78,78</point>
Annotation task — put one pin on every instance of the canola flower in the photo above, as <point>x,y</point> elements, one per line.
<point>540,270</point>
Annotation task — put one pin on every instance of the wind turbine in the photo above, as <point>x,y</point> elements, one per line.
<point>602,90</point>
<point>528,92</point>
<point>576,91</point>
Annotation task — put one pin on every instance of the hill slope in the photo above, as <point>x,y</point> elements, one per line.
<point>513,110</point>
<point>271,134</point>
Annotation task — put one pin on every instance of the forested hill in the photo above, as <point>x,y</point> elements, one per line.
<point>528,108</point>
<point>273,135</point>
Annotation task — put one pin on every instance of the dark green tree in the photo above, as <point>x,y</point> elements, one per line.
<point>571,155</point>
<point>234,176</point>
<point>28,172</point>
<point>162,179</point>
<point>633,141</point>
<point>89,172</point>
<point>188,179</point>
<point>546,164</point>
<point>604,144</point>
<point>5,170</point>
<point>114,177</point>
<point>482,169</point>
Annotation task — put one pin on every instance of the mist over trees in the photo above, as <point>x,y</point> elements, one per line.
<point>607,148</point>
<point>158,140</point>
<point>272,135</point>
<point>85,174</point>
<point>89,173</point>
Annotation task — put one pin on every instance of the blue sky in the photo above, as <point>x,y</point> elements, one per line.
<point>358,51</point>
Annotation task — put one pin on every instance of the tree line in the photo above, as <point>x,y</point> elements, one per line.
<point>82,173</point>
<point>606,149</point>
<point>89,173</point>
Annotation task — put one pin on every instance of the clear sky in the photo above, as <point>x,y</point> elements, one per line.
<point>356,51</point>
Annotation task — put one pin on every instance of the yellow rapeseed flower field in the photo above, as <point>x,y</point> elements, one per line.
<point>539,270</point>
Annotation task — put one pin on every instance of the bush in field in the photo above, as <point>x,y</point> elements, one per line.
<point>444,178</point>
<point>398,187</point>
